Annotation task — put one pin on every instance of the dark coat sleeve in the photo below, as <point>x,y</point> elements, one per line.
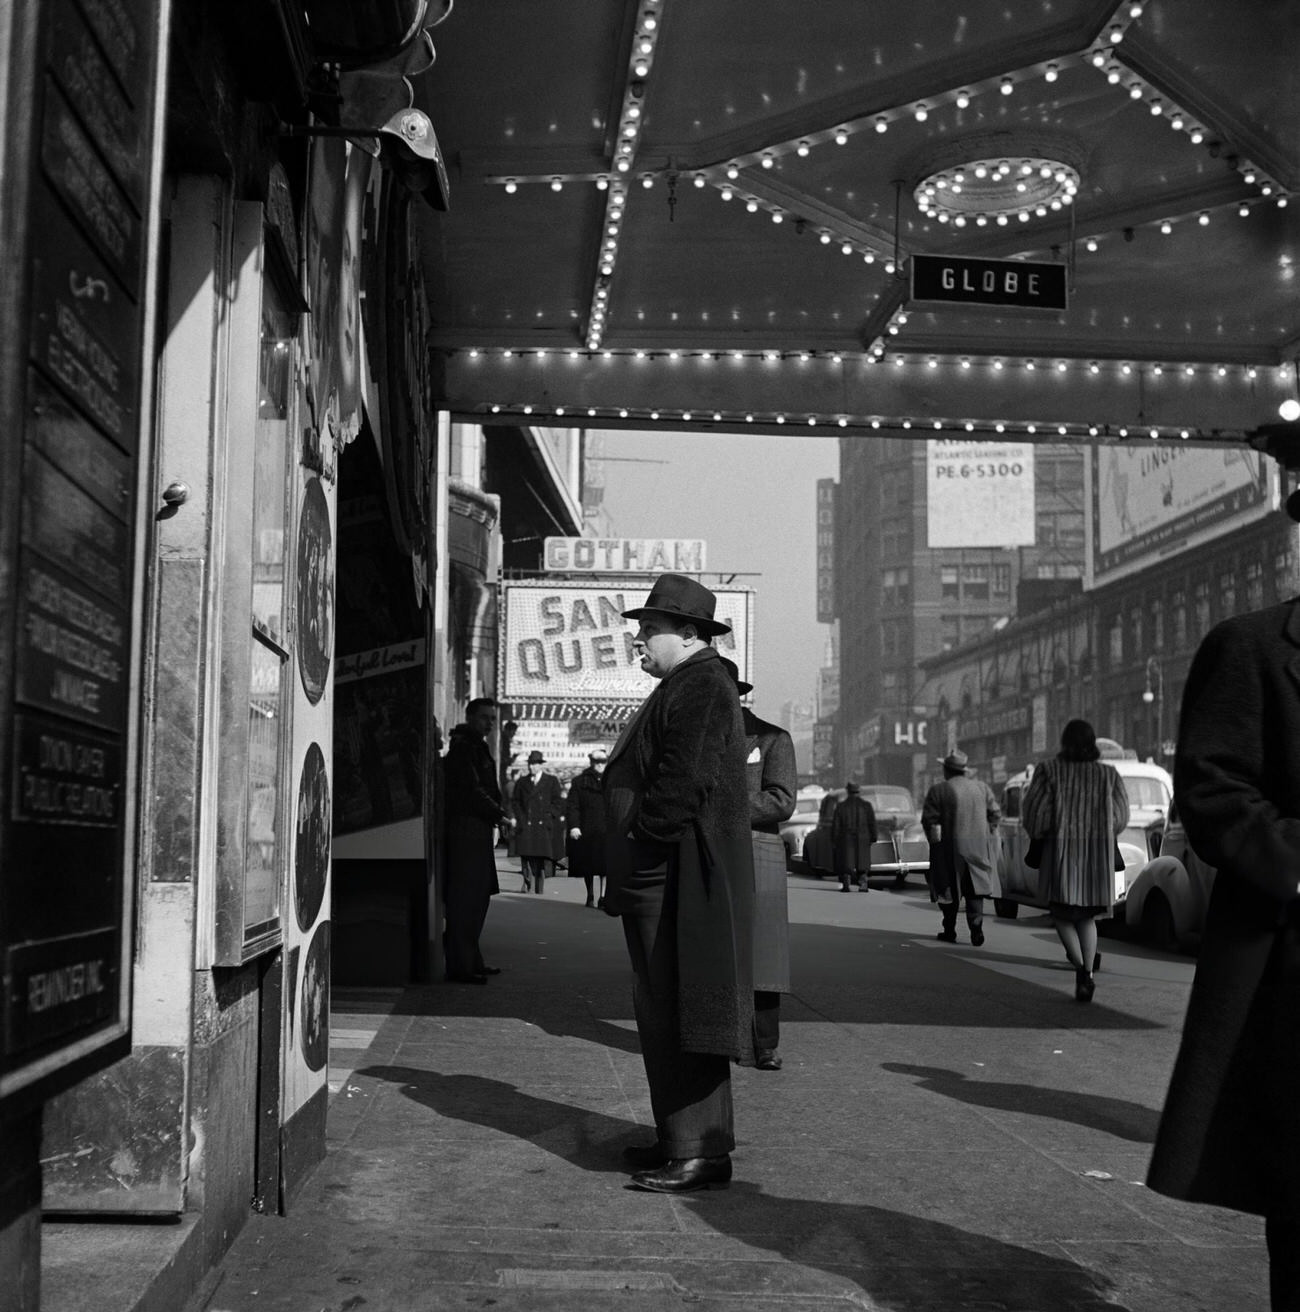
<point>1219,770</point>
<point>466,792</point>
<point>774,800</point>
<point>696,726</point>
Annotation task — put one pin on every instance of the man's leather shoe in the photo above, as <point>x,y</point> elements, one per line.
<point>644,1156</point>
<point>684,1174</point>
<point>491,970</point>
<point>977,938</point>
<point>947,935</point>
<point>767,1061</point>
<point>466,979</point>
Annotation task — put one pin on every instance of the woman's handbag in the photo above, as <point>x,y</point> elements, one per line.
<point>1034,852</point>
<point>1119,858</point>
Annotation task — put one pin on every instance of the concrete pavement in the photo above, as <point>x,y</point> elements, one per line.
<point>951,1131</point>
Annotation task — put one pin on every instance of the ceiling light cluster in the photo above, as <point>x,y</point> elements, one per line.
<point>997,189</point>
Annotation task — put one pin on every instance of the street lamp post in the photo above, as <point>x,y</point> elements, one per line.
<point>1155,692</point>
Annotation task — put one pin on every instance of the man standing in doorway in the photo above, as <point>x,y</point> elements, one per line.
<point>960,817</point>
<point>773,778</point>
<point>680,873</point>
<point>538,802</point>
<point>853,830</point>
<point>474,811</point>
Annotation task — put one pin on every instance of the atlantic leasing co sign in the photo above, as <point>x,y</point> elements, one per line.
<point>624,555</point>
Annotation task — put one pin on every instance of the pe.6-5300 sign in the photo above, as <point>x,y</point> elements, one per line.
<point>1006,470</point>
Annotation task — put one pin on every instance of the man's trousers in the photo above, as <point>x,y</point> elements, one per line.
<point>690,1092</point>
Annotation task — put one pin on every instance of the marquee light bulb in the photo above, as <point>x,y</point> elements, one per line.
<point>1289,410</point>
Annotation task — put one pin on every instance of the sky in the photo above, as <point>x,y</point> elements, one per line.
<point>753,499</point>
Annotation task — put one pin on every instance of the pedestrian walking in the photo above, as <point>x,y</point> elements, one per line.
<point>1230,1132</point>
<point>585,823</point>
<point>773,779</point>
<point>853,830</point>
<point>1076,804</point>
<point>960,816</point>
<point>474,812</point>
<point>680,873</point>
<point>539,810</point>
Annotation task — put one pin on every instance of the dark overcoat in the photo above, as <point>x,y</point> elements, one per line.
<point>585,810</point>
<point>539,810</point>
<point>967,815</point>
<point>676,780</point>
<point>1230,1132</point>
<point>773,778</point>
<point>853,830</point>
<point>474,810</point>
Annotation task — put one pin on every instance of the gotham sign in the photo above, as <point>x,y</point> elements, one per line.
<point>1014,284</point>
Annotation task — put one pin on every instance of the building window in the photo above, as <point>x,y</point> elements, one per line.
<point>1135,630</point>
<point>949,632</point>
<point>1254,585</point>
<point>1115,640</point>
<point>948,585</point>
<point>904,597</point>
<point>1156,607</point>
<point>889,685</point>
<point>1180,618</point>
<point>1002,580</point>
<point>1201,601</point>
<point>1228,594</point>
<point>1282,584</point>
<point>975,582</point>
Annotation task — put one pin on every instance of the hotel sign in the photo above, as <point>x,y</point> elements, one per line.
<point>825,550</point>
<point>1013,284</point>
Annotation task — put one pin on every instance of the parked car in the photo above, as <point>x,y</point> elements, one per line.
<point>900,848</point>
<point>1168,899</point>
<point>804,820</point>
<point>1150,793</point>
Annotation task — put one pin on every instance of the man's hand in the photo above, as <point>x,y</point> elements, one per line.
<point>575,832</point>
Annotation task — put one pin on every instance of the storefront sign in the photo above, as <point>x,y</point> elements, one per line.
<point>963,280</point>
<point>979,494</point>
<point>625,555</point>
<point>984,724</point>
<point>70,474</point>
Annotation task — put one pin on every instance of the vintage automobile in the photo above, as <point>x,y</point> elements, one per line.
<point>900,848</point>
<point>1150,792</point>
<point>804,820</point>
<point>1167,900</point>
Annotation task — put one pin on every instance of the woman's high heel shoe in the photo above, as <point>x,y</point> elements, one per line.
<point>1083,985</point>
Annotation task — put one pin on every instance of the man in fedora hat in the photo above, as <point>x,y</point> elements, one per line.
<point>680,873</point>
<point>853,830</point>
<point>773,779</point>
<point>538,803</point>
<point>960,817</point>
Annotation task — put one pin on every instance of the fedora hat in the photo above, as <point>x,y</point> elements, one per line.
<point>684,599</point>
<point>536,758</point>
<point>955,760</point>
<point>734,670</point>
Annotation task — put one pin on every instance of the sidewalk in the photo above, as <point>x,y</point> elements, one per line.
<point>913,1154</point>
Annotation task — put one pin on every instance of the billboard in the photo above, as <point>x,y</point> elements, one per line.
<point>567,645</point>
<point>825,550</point>
<point>979,494</point>
<point>1150,502</point>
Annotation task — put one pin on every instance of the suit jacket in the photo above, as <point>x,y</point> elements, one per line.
<point>1237,785</point>
<point>675,788</point>
<point>539,809</point>
<point>967,814</point>
<point>474,809</point>
<point>773,779</point>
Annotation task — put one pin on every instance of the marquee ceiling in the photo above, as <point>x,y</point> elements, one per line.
<point>749,266</point>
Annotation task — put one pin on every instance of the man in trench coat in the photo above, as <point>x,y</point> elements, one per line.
<point>538,802</point>
<point>960,816</point>
<point>1230,1132</point>
<point>853,830</point>
<point>680,873</point>
<point>773,778</point>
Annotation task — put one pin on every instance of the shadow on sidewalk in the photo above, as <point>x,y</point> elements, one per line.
<point>901,1261</point>
<point>591,1141</point>
<point>1115,1116</point>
